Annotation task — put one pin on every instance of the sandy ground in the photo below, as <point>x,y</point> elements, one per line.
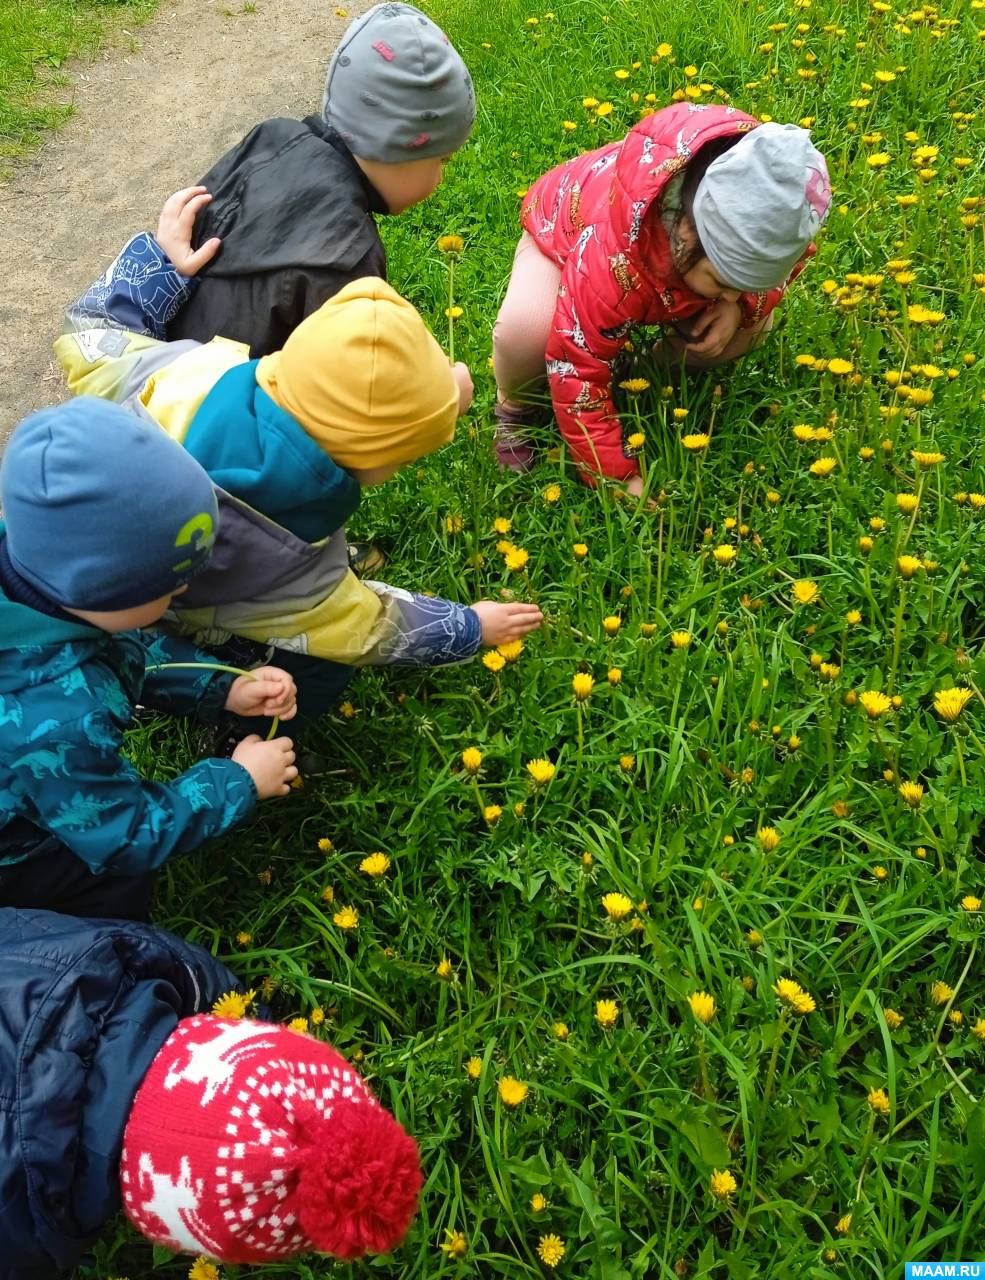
<point>151,116</point>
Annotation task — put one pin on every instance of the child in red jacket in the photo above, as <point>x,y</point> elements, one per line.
<point>698,219</point>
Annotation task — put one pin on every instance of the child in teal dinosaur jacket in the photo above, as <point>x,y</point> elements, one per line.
<point>105,521</point>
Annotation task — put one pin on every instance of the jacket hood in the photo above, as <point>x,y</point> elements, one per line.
<point>259,453</point>
<point>656,150</point>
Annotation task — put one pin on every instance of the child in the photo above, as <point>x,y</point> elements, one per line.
<point>106,521</point>
<point>237,1139</point>
<point>697,219</point>
<point>360,388</point>
<point>294,201</point>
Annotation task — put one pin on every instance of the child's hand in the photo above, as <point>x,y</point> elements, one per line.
<point>269,764</point>
<point>634,489</point>
<point>714,329</point>
<point>174,231</point>
<point>466,389</point>
<point>267,691</point>
<point>502,622</point>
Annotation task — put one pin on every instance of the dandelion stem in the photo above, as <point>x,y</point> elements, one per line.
<point>214,666</point>
<point>451,309</point>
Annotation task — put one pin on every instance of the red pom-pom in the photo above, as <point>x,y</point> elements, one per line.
<point>357,1192</point>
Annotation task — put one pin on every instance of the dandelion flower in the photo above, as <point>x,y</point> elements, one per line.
<point>978,1030</point>
<point>325,845</point>
<point>874,703</point>
<point>940,992</point>
<point>793,996</point>
<point>541,771</point>
<point>510,650</point>
<point>517,559</point>
<point>971,904</point>
<point>627,763</point>
<point>911,793</point>
<point>918,314</point>
<point>611,624</point>
<point>636,441</point>
<point>473,1068</point>
<point>805,591</point>
<point>823,467</point>
<point>844,1225</point>
<point>894,1020</point>
<point>560,1031</point>
<point>926,459</point>
<point>614,676</point>
<point>635,385</point>
<point>512,1091</point>
<point>724,555</point>
<point>376,865</point>
<point>680,639</point>
<point>493,661</point>
<point>722,1184</point>
<point>444,969</point>
<point>908,566</point>
<point>456,1246</point>
<point>552,493</point>
<point>472,759</point>
<point>843,367</point>
<point>768,838</point>
<point>492,813</point>
<point>702,1006</point>
<point>606,1013</point>
<point>203,1269</point>
<point>551,1249</point>
<point>949,703</point>
<point>451,244</point>
<point>346,918</point>
<point>754,938</point>
<point>617,906</point>
<point>696,441</point>
<point>879,1101</point>
<point>298,1024</point>
<point>579,550</point>
<point>582,685</point>
<point>233,1004</point>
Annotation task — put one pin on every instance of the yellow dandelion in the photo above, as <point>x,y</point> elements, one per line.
<point>949,703</point>
<point>203,1269</point>
<point>768,838</point>
<point>551,1249</point>
<point>978,1030</point>
<point>680,639</point>
<point>805,591</point>
<point>908,566</point>
<point>552,493</point>
<point>512,1091</point>
<point>606,1013</point>
<point>879,1101</point>
<point>894,1020</point>
<point>614,676</point>
<point>971,904</point>
<point>627,763</point>
<point>582,685</point>
<point>471,759</point>
<point>473,1068</point>
<point>325,845</point>
<point>560,1031</point>
<point>456,1245</point>
<point>911,793</point>
<point>636,441</point>
<point>451,244</point>
<point>346,918</point>
<point>823,467</point>
<point>696,441</point>
<point>510,650</point>
<point>844,1225</point>
<point>722,1184</point>
<point>940,992</point>
<point>517,559</point>
<point>617,906</point>
<point>724,555</point>
<point>444,969</point>
<point>842,367</point>
<point>541,771</point>
<point>702,1006</point>
<point>874,703</point>
<point>493,661</point>
<point>375,865</point>
<point>611,624</point>
<point>579,550</point>
<point>492,813</point>
<point>233,1004</point>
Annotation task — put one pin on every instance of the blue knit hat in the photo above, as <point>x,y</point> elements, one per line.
<point>103,510</point>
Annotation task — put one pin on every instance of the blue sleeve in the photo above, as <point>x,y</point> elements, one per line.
<point>428,631</point>
<point>100,807</point>
<point>141,292</point>
<point>188,691</point>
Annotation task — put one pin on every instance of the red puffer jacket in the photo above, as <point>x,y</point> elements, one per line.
<point>590,217</point>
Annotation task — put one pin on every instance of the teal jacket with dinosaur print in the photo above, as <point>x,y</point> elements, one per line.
<point>67,695</point>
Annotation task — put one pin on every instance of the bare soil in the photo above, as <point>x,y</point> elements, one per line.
<point>151,115</point>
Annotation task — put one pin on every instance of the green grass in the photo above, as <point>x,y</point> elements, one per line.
<point>860,900</point>
<point>37,37</point>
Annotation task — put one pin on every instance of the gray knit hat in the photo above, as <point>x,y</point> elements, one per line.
<point>760,204</point>
<point>396,90</point>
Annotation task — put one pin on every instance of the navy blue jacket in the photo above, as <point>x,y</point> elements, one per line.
<point>84,1007</point>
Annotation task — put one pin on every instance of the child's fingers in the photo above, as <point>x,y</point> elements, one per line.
<point>197,260</point>
<point>191,209</point>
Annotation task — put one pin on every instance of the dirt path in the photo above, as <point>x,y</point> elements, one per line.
<point>149,118</point>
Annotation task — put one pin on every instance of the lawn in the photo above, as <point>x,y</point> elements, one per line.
<point>732,948</point>
<point>37,37</point>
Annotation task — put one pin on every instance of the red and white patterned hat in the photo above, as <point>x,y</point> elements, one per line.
<point>249,1142</point>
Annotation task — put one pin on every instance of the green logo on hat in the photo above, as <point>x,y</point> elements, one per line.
<point>198,533</point>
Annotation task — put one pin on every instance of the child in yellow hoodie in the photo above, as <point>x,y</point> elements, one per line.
<point>359,389</point>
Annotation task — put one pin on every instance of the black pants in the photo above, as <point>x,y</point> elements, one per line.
<point>59,881</point>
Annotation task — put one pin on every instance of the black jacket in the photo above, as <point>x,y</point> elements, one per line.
<point>84,1007</point>
<point>295,215</point>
